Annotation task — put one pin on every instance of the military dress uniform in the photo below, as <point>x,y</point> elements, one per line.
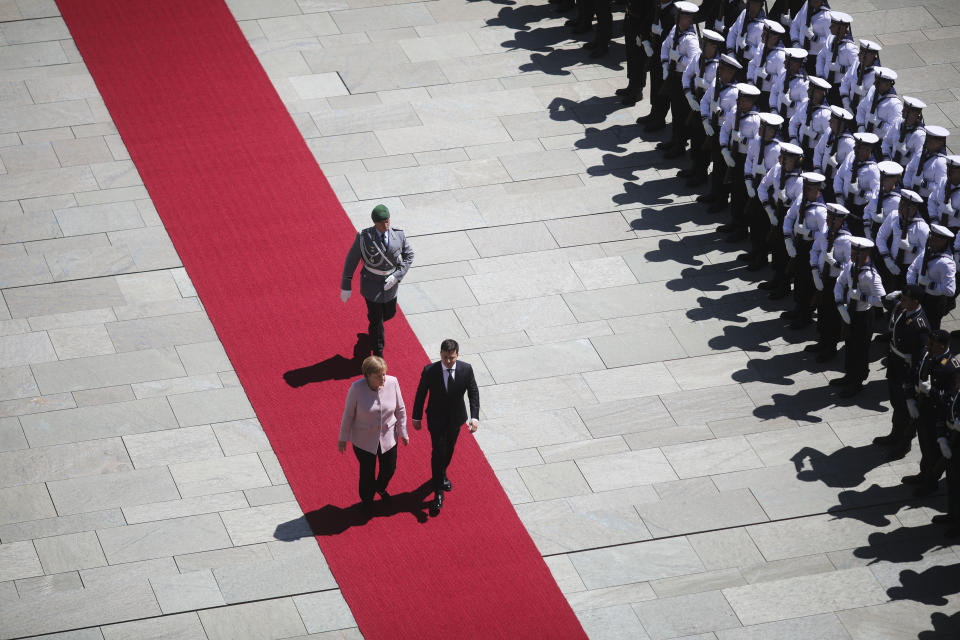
<point>936,272</point>
<point>718,103</point>
<point>763,153</point>
<point>801,224</point>
<point>926,170</point>
<point>860,77</point>
<point>766,64</point>
<point>386,259</point>
<point>829,254</point>
<point>700,74</point>
<point>931,380</point>
<point>719,15</point>
<point>838,54</point>
<point>857,182</point>
<point>857,293</point>
<point>903,140</point>
<point>810,122</point>
<point>789,90</point>
<point>783,11</point>
<point>636,30</point>
<point>886,202</point>
<point>833,148</point>
<point>900,240</point>
<point>743,37</point>
<point>663,22</point>
<point>810,29</point>
<point>777,192</point>
<point>948,437</point>
<point>943,204</point>
<point>879,111</point>
<point>738,129</point>
<point>909,333</point>
<point>676,53</point>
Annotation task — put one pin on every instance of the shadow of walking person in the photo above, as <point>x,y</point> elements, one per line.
<point>931,586</point>
<point>944,627</point>
<point>336,367</point>
<point>331,520</point>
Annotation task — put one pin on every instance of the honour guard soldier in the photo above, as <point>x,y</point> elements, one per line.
<point>664,19</point>
<point>637,20</point>
<point>743,38</point>
<point>905,138</point>
<point>902,237</point>
<point>763,153</point>
<point>790,86</point>
<point>830,252</point>
<point>833,148</point>
<point>860,76</point>
<point>881,108</point>
<point>944,203</point>
<point>931,379</point>
<point>679,47</point>
<point>778,190</point>
<point>858,179</point>
<point>857,292</point>
<point>767,62</point>
<point>909,334</point>
<point>926,170</point>
<point>948,439</point>
<point>811,120</point>
<point>935,270</point>
<point>810,29</point>
<point>838,54</point>
<point>735,136</point>
<point>386,255</point>
<point>886,202</point>
<point>805,218</point>
<point>719,102</point>
<point>700,74</point>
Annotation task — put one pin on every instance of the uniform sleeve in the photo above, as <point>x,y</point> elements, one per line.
<point>790,220</point>
<point>888,146</point>
<point>914,269</point>
<point>349,414</point>
<point>883,235</point>
<point>793,127</point>
<point>705,102</point>
<point>840,287</point>
<point>819,153</point>
<point>934,201</point>
<point>823,58</point>
<point>819,244</point>
<point>734,32</point>
<point>753,152</point>
<point>875,296</point>
<point>406,256</point>
<point>838,180</point>
<point>864,108</point>
<point>400,412</point>
<point>686,80</point>
<point>947,286</point>
<point>350,264</point>
<point>766,186</point>
<point>871,188</point>
<point>726,129</point>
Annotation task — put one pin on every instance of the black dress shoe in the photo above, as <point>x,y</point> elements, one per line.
<point>816,347</point>
<point>914,479</point>
<point>447,485</point>
<point>631,98</point>
<point>663,144</point>
<point>726,228</point>
<point>675,152</point>
<point>779,294</point>
<point>685,173</point>
<point>800,323</point>
<point>851,389</point>
<point>886,440</point>
<point>943,518</point>
<point>644,119</point>
<point>599,52</point>
<point>952,532</point>
<point>923,490</point>
<point>746,257</point>
<point>737,236</point>
<point>384,496</point>
<point>717,207</point>
<point>793,314</point>
<point>840,382</point>
<point>696,181</point>
<point>624,91</point>
<point>707,198</point>
<point>826,355</point>
<point>768,285</point>
<point>657,125</point>
<point>757,264</point>
<point>437,504</point>
<point>581,28</point>
<point>589,45</point>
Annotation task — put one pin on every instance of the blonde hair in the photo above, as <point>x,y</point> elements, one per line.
<point>373,364</point>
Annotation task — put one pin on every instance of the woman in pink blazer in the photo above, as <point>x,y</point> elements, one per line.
<point>373,417</point>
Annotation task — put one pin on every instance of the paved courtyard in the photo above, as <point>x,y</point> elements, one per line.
<point>681,464</point>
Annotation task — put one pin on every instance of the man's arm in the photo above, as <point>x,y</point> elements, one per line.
<point>406,259</point>
<point>350,264</point>
<point>473,395</point>
<point>422,388</point>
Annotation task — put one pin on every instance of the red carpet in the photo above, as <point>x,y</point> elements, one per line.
<point>263,237</point>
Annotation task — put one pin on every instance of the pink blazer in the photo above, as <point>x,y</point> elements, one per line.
<point>372,418</point>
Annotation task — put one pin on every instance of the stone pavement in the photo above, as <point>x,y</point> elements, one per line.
<point>679,461</point>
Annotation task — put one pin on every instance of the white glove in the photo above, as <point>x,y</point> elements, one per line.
<point>728,157</point>
<point>390,282</point>
<point>913,409</point>
<point>877,218</point>
<point>666,70</point>
<point>719,26</point>
<point>750,190</point>
<point>924,387</point>
<point>923,281</point>
<point>647,47</point>
<point>785,19</point>
<point>656,29</point>
<point>944,447</point>
<point>844,314</point>
<point>692,101</point>
<point>953,426</point>
<point>854,294</point>
<point>904,244</point>
<point>345,295</point>
<point>707,127</point>
<point>891,265</point>
<point>860,90</point>
<point>674,55</point>
<point>762,73</point>
<point>771,213</point>
<point>791,249</point>
<point>846,102</point>
<point>829,259</point>
<point>832,162</point>
<point>810,33</point>
<point>817,280</point>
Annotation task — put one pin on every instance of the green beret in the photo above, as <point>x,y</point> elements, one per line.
<point>380,213</point>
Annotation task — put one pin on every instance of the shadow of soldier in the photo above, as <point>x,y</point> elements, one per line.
<point>944,627</point>
<point>332,520</point>
<point>931,586</point>
<point>336,367</point>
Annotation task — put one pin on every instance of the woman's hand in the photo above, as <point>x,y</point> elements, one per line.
<point>341,446</point>
<point>405,441</point>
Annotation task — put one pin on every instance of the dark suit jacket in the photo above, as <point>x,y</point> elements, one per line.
<point>445,408</point>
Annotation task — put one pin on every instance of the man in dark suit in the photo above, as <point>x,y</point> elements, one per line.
<point>446,381</point>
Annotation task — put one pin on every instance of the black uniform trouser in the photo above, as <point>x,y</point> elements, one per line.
<point>759,227</point>
<point>585,11</point>
<point>855,219</point>
<point>370,481</point>
<point>857,352</point>
<point>636,56</point>
<point>931,458</point>
<point>779,258</point>
<point>936,307</point>
<point>718,185</point>
<point>953,477</point>
<point>698,137</point>
<point>679,108</point>
<point>377,314</point>
<point>803,289</point>
<point>443,441</point>
<point>659,98</point>
<point>604,14</point>
<point>903,427</point>
<point>738,192</point>
<point>829,322</point>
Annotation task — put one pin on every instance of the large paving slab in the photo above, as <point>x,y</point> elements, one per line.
<point>683,468</point>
